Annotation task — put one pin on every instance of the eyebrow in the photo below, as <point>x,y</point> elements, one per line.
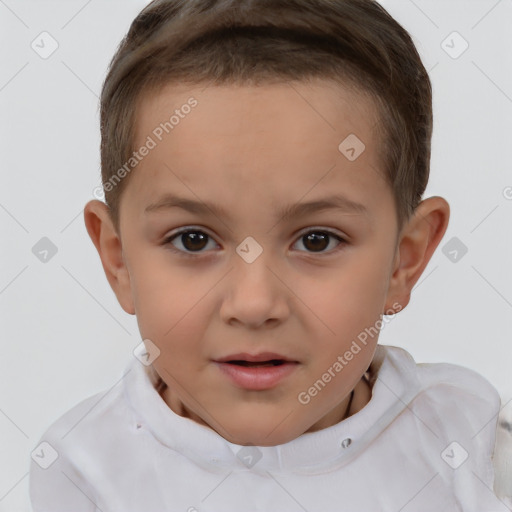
<point>333,202</point>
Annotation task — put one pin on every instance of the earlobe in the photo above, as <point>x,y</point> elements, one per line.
<point>108,244</point>
<point>418,241</point>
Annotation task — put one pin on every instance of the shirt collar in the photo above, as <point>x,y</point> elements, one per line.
<point>394,383</point>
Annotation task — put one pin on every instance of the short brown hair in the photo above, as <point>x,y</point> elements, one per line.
<point>354,42</point>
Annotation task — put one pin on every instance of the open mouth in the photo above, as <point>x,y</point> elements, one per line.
<point>257,375</point>
<point>272,362</point>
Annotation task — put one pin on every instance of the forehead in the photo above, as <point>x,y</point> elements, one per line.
<point>278,141</point>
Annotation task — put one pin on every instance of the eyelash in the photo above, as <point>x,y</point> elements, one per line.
<point>168,241</point>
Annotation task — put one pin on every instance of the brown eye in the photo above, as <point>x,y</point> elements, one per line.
<point>317,241</point>
<point>191,241</point>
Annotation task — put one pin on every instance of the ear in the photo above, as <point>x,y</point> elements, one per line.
<point>108,244</point>
<point>417,242</point>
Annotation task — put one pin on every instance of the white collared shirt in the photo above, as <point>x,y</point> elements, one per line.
<point>423,443</point>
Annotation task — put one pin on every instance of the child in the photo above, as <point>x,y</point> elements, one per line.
<point>255,128</point>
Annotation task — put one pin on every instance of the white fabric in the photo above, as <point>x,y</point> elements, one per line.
<point>125,450</point>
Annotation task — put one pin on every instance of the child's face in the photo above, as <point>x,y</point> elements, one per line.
<point>252,152</point>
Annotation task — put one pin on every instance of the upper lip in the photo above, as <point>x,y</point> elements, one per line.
<point>255,358</point>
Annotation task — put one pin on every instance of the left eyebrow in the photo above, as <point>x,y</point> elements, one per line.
<point>335,202</point>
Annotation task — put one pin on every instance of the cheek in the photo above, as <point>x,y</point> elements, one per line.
<point>167,300</point>
<point>345,309</point>
<point>351,295</point>
<point>175,317</point>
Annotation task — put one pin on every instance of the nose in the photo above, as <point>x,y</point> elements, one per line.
<point>255,294</point>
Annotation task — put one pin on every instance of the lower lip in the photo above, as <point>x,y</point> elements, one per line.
<point>257,377</point>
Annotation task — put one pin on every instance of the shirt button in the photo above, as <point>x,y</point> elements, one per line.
<point>139,425</point>
<point>346,442</point>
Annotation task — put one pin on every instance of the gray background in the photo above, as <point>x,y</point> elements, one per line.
<point>64,336</point>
